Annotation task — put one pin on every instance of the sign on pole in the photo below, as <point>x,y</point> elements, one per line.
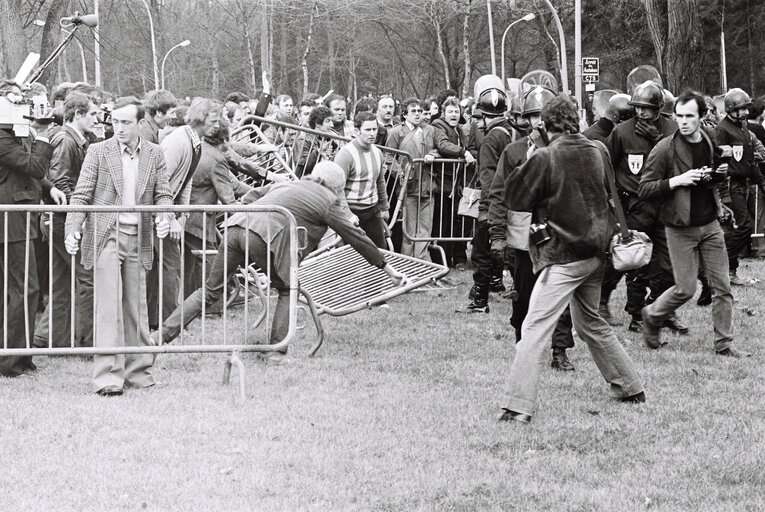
<point>590,79</point>
<point>590,65</point>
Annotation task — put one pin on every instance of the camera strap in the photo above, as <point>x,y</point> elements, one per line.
<point>615,199</point>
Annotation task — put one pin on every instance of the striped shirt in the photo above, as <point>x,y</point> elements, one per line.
<point>365,184</point>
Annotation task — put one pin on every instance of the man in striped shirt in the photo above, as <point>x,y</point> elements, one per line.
<point>365,184</point>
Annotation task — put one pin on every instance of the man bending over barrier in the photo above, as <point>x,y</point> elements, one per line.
<point>316,201</point>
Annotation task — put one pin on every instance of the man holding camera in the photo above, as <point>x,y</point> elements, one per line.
<point>562,186</point>
<point>679,172</point>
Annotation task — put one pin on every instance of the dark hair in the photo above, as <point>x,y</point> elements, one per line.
<point>444,95</point>
<point>159,101</point>
<point>231,108</point>
<point>757,108</point>
<point>362,118</point>
<point>61,91</point>
<point>560,115</point>
<point>364,105</point>
<point>237,97</point>
<point>334,97</point>
<point>126,101</point>
<point>406,103</point>
<point>318,115</point>
<point>307,103</point>
<point>450,102</point>
<point>689,95</point>
<point>76,102</point>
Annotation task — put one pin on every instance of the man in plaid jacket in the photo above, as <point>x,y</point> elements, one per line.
<point>126,171</point>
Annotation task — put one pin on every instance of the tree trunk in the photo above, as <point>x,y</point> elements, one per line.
<point>251,59</point>
<point>466,49</point>
<point>304,62</point>
<point>265,50</point>
<point>13,43</point>
<point>331,58</point>
<point>657,28</point>
<point>445,62</point>
<point>683,57</point>
<point>283,79</point>
<point>215,77</point>
<point>51,36</point>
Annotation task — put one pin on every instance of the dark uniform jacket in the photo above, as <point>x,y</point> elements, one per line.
<point>513,156</point>
<point>23,180</point>
<point>499,134</point>
<point>600,130</point>
<point>743,164</point>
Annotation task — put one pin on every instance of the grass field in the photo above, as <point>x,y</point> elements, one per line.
<point>397,412</point>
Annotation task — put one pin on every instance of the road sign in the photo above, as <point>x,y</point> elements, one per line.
<point>589,88</point>
<point>590,65</point>
<point>590,79</point>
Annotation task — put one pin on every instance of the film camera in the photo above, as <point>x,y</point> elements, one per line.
<point>539,233</point>
<point>718,173</point>
<point>18,111</point>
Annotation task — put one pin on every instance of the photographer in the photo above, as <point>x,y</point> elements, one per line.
<point>679,173</point>
<point>562,186</point>
<point>23,168</point>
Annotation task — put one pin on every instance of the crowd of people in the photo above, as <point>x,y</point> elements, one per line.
<point>686,170</point>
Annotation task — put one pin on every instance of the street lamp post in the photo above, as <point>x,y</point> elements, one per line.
<point>563,64</point>
<point>182,43</point>
<point>530,16</point>
<point>153,43</point>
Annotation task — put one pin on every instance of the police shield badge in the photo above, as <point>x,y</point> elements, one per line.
<point>738,152</point>
<point>635,162</point>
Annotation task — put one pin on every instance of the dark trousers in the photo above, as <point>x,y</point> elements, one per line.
<point>192,264</point>
<point>372,224</point>
<point>171,277</point>
<point>239,244</point>
<point>446,224</point>
<point>486,267</point>
<point>17,327</point>
<point>61,300</point>
<point>737,240</point>
<point>524,280</point>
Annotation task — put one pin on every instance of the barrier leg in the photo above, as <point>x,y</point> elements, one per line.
<point>234,359</point>
<point>316,321</point>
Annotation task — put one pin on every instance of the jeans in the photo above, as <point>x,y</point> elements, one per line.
<point>577,283</point>
<point>232,256</point>
<point>686,246</point>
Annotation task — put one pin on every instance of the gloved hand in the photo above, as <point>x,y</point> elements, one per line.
<point>647,131</point>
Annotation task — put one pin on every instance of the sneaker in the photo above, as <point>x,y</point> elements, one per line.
<point>508,415</point>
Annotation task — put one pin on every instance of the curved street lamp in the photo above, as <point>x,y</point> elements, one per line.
<point>530,16</point>
<point>563,64</point>
<point>182,43</point>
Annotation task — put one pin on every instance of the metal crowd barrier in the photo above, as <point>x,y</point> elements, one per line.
<point>300,148</point>
<point>255,293</point>
<point>432,202</point>
<point>341,281</point>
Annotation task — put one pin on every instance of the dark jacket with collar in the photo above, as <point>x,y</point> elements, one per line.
<point>69,148</point>
<point>562,185</point>
<point>450,143</point>
<point>499,134</point>
<point>23,180</point>
<point>600,130</point>
<point>672,157</point>
<point>514,155</point>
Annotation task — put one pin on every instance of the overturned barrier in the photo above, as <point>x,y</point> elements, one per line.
<point>203,341</point>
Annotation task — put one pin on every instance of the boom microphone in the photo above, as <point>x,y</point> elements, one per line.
<point>89,20</point>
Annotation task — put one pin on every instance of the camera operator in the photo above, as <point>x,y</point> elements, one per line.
<point>679,173</point>
<point>562,186</point>
<point>23,168</point>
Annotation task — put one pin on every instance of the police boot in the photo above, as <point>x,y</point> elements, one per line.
<point>480,303</point>
<point>560,360</point>
<point>497,285</point>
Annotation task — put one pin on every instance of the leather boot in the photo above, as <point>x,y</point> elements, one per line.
<point>560,360</point>
<point>480,303</point>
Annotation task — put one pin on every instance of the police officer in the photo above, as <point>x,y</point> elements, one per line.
<point>748,152</point>
<point>617,110</point>
<point>629,145</point>
<point>491,101</point>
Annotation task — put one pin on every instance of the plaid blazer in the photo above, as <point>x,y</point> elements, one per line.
<point>100,183</point>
